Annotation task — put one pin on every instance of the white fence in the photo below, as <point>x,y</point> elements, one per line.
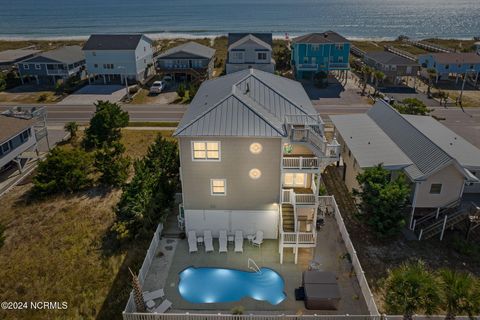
<point>367,294</point>
<point>187,316</point>
<point>145,267</point>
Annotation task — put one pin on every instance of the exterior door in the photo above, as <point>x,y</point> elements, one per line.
<point>295,180</point>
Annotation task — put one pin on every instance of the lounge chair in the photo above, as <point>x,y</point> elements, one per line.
<point>192,241</point>
<point>147,296</point>
<point>208,241</point>
<point>222,241</point>
<point>258,240</point>
<point>238,241</point>
<point>164,306</point>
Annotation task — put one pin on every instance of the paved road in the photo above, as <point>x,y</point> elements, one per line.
<point>59,114</point>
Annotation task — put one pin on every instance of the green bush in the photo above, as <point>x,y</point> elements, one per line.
<point>181,90</point>
<point>3,83</point>
<point>63,170</point>
<point>412,106</point>
<point>112,165</point>
<point>42,98</point>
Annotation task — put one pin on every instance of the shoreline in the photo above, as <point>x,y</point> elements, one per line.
<point>172,36</point>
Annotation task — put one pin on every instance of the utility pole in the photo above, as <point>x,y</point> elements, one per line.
<point>126,82</point>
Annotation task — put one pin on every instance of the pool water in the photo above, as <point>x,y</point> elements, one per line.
<point>214,285</point>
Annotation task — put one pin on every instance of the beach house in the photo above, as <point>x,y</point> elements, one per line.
<point>112,58</point>
<point>455,64</point>
<point>50,66</point>
<point>250,50</point>
<point>9,58</point>
<point>190,61</point>
<point>315,52</point>
<point>440,165</point>
<point>392,65</point>
<point>251,151</point>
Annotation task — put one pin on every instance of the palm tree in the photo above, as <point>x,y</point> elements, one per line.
<point>378,76</point>
<point>366,73</point>
<point>72,128</point>
<point>412,288</point>
<point>432,73</point>
<point>459,293</point>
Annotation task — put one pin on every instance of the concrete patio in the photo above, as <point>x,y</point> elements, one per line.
<point>330,253</point>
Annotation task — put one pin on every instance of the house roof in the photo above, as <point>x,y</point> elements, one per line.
<point>245,103</point>
<point>11,56</point>
<point>263,36</point>
<point>114,41</point>
<point>250,37</point>
<point>386,57</point>
<point>67,55</point>
<point>12,126</point>
<point>324,37</point>
<point>191,48</point>
<point>456,57</point>
<point>412,142</point>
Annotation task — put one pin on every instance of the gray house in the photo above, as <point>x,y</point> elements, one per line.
<point>250,50</point>
<point>189,61</point>
<point>392,65</point>
<point>51,66</point>
<point>251,151</point>
<point>9,58</point>
<point>112,58</point>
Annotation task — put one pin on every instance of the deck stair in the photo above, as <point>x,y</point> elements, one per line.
<point>435,215</point>
<point>439,225</point>
<point>288,218</point>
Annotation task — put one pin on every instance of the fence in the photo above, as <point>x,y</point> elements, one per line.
<point>145,266</point>
<point>187,316</point>
<point>367,294</point>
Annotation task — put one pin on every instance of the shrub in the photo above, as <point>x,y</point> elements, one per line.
<point>181,90</point>
<point>42,98</point>
<point>238,310</point>
<point>412,106</point>
<point>63,170</point>
<point>3,83</point>
<point>112,165</point>
<point>72,128</point>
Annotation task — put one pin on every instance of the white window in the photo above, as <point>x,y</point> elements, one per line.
<point>298,180</point>
<point>339,46</point>
<point>218,187</point>
<point>206,150</point>
<point>436,188</point>
<point>37,66</point>
<point>340,59</point>
<point>315,47</point>
<point>26,66</point>
<point>262,55</point>
<point>237,55</point>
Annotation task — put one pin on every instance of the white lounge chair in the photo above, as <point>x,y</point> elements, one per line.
<point>238,241</point>
<point>192,241</point>
<point>157,294</point>
<point>223,241</point>
<point>208,241</point>
<point>164,306</point>
<point>258,240</point>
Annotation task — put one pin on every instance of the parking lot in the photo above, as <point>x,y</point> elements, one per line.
<point>92,93</point>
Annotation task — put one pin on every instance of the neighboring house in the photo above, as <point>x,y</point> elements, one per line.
<point>9,58</point>
<point>113,57</point>
<point>50,66</point>
<point>454,63</point>
<point>315,52</point>
<point>440,165</point>
<point>250,50</point>
<point>189,61</point>
<point>251,150</point>
<point>392,65</point>
<point>17,136</point>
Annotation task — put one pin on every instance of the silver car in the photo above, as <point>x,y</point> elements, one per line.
<point>157,87</point>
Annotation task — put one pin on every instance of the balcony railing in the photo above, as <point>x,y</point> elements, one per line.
<point>339,65</point>
<point>298,238</point>
<point>301,163</point>
<point>307,66</point>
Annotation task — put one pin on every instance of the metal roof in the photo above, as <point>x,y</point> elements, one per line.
<point>263,36</point>
<point>114,41</point>
<point>324,37</point>
<point>455,57</point>
<point>386,57</point>
<point>245,103</point>
<point>11,127</point>
<point>67,55</point>
<point>191,48</point>
<point>12,56</point>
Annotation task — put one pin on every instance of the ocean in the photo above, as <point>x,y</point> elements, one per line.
<point>356,19</point>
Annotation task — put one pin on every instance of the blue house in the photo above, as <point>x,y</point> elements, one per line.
<point>454,63</point>
<point>314,52</point>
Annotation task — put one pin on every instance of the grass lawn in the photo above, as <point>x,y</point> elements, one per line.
<point>42,96</point>
<point>54,250</point>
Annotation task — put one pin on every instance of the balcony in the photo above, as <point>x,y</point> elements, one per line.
<point>301,163</point>
<point>339,65</point>
<point>307,67</point>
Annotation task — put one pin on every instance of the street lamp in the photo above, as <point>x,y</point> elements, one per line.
<point>126,83</point>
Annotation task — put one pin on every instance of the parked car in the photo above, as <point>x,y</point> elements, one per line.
<point>157,87</point>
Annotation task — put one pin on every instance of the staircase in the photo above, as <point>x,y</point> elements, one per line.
<point>288,218</point>
<point>448,220</point>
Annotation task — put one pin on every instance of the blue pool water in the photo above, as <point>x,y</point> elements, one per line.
<point>213,285</point>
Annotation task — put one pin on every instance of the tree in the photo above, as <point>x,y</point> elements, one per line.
<point>383,200</point>
<point>459,293</point>
<point>192,91</point>
<point>366,72</point>
<point>72,128</point>
<point>431,73</point>
<point>412,288</point>
<point>181,90</point>
<point>412,106</point>
<point>105,125</point>
<point>63,170</point>
<point>282,55</point>
<point>112,165</point>
<point>378,76</point>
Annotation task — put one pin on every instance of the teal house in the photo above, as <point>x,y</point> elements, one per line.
<point>315,52</point>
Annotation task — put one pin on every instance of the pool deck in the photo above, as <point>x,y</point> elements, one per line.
<point>329,253</point>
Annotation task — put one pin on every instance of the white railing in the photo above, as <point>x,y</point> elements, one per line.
<point>219,316</point>
<point>301,162</point>
<point>305,198</point>
<point>151,252</point>
<point>298,238</point>
<point>307,66</point>
<point>367,294</point>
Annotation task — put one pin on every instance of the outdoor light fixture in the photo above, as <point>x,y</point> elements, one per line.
<point>256,148</point>
<point>255,174</point>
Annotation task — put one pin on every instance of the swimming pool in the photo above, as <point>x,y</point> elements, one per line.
<point>214,285</point>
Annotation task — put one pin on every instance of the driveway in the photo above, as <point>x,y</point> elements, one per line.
<point>335,93</point>
<point>90,94</point>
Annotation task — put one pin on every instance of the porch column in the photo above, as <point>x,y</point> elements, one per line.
<point>414,202</point>
<point>104,80</point>
<point>38,81</point>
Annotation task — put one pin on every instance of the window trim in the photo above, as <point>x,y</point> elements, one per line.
<point>206,157</point>
<point>261,54</point>
<point>436,184</point>
<point>26,66</point>
<point>224,187</point>
<point>38,66</point>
